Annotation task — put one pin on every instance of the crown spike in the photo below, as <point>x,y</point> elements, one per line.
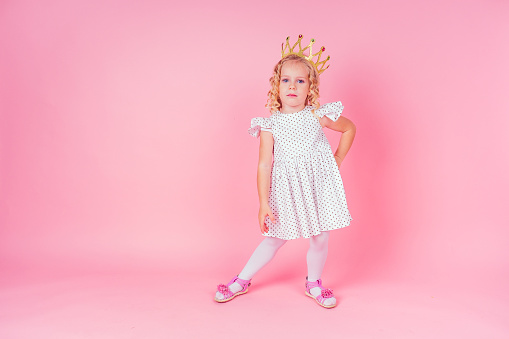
<point>296,43</point>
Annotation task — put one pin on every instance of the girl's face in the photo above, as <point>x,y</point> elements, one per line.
<point>294,86</point>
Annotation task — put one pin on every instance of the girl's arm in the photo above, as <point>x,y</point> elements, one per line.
<point>347,128</point>
<point>263,177</point>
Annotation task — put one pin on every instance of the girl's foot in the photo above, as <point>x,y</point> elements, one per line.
<point>323,296</point>
<point>234,288</point>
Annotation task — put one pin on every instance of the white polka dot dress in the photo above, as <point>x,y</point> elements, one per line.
<point>306,192</point>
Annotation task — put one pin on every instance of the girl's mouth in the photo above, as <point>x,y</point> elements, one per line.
<point>291,95</point>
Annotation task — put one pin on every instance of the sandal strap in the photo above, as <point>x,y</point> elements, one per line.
<point>224,290</point>
<point>241,282</point>
<point>324,296</point>
<point>313,284</point>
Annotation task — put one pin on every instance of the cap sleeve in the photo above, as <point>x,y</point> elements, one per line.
<point>257,124</point>
<point>331,110</point>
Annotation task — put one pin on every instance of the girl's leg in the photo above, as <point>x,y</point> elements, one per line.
<point>316,257</point>
<point>261,256</point>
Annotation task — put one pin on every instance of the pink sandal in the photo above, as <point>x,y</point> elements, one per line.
<point>229,295</point>
<point>326,293</point>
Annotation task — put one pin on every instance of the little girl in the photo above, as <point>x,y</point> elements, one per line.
<point>301,193</point>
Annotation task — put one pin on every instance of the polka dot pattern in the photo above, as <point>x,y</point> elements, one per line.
<point>306,192</point>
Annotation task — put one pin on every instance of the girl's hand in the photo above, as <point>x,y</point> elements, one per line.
<point>338,160</point>
<point>264,211</point>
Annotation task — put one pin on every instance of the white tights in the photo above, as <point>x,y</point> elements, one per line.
<point>317,254</point>
<point>263,254</point>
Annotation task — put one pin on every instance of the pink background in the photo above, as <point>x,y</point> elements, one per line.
<point>127,174</point>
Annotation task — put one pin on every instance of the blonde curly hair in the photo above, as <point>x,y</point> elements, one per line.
<point>274,101</point>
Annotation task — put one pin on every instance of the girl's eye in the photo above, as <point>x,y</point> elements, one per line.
<point>284,80</point>
<point>301,81</point>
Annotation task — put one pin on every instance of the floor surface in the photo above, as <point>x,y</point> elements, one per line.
<point>159,304</point>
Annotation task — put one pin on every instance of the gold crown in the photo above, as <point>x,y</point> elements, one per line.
<point>319,65</point>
